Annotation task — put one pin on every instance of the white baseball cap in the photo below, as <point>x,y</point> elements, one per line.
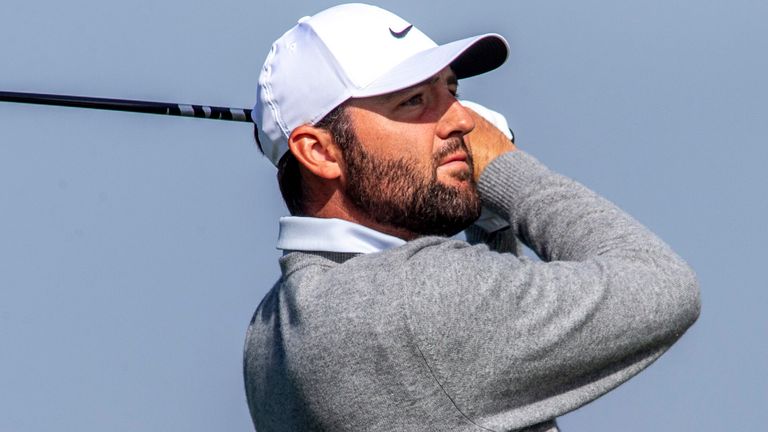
<point>349,51</point>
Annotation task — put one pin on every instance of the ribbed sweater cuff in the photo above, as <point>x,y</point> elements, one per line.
<point>504,179</point>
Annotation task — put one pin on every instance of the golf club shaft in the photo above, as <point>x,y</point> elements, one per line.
<point>200,111</point>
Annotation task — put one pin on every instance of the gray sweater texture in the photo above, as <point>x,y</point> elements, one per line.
<point>446,335</point>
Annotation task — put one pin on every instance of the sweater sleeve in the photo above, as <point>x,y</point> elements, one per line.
<point>512,341</point>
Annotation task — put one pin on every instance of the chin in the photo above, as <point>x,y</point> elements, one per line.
<point>457,179</point>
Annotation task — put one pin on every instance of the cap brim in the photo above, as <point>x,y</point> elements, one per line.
<point>467,57</point>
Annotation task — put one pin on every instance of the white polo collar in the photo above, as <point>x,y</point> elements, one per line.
<point>332,235</point>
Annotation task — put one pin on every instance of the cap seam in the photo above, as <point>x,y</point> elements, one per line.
<point>270,99</point>
<point>336,65</point>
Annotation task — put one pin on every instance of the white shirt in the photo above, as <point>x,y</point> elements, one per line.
<point>338,235</point>
<point>332,235</point>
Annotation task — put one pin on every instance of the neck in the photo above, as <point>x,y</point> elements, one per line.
<point>331,203</point>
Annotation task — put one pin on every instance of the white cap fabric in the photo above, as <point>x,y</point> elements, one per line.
<point>353,50</point>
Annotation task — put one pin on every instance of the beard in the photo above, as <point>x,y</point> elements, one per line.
<point>397,193</point>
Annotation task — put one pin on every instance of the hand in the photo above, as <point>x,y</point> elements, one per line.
<point>486,142</point>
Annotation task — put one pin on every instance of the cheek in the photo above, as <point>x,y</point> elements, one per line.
<point>382,137</point>
<point>410,142</point>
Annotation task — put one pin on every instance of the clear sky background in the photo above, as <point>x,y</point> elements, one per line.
<point>134,248</point>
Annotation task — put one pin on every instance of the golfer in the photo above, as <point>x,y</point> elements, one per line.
<point>382,321</point>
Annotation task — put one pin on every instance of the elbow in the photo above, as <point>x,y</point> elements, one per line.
<point>695,296</point>
<point>686,300</point>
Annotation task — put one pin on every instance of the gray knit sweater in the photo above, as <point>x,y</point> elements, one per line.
<point>445,335</point>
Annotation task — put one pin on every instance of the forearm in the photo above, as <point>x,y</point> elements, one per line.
<point>560,219</point>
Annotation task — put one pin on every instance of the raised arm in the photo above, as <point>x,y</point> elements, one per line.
<point>510,339</point>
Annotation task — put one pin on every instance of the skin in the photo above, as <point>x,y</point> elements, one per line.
<point>418,121</point>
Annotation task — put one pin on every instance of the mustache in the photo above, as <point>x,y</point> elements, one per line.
<point>452,146</point>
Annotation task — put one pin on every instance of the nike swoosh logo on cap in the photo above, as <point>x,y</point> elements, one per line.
<point>401,34</point>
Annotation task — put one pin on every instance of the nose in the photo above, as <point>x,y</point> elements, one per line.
<point>456,121</point>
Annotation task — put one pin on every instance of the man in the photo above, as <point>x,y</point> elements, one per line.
<point>383,322</point>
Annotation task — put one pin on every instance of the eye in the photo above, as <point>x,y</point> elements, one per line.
<point>453,88</point>
<point>414,100</point>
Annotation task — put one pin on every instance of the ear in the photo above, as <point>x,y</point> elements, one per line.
<point>315,149</point>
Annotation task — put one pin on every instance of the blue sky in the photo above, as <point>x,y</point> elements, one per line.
<point>134,248</point>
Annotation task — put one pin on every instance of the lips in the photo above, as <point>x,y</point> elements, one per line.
<point>454,158</point>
